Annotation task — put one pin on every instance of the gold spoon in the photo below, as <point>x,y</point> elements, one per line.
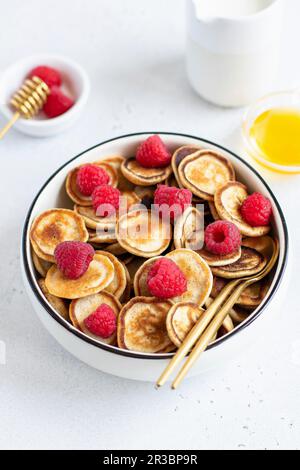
<point>209,324</point>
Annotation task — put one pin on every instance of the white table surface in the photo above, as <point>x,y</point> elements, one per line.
<point>134,54</point>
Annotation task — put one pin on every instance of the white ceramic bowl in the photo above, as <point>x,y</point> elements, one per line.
<point>135,365</point>
<point>76,84</point>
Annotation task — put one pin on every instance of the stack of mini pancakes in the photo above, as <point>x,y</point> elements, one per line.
<point>118,273</point>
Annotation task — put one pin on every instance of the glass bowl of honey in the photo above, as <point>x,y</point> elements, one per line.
<point>271,129</point>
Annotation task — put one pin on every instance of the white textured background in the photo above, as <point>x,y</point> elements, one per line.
<point>134,54</point>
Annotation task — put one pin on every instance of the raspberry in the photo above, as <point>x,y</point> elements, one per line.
<point>105,200</point>
<point>165,279</point>
<point>152,153</point>
<point>172,201</point>
<point>256,210</point>
<point>57,103</point>
<point>89,177</point>
<point>49,75</point>
<point>73,258</point>
<point>102,322</point>
<point>222,238</point>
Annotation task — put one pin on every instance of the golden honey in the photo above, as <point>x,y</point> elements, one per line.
<point>276,135</point>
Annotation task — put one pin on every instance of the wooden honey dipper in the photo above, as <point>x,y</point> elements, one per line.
<point>27,101</point>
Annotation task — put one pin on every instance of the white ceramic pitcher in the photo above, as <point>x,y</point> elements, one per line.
<point>233,48</point>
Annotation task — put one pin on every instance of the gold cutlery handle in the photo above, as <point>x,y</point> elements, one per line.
<point>208,334</point>
<point>205,338</point>
<point>204,333</point>
<point>194,334</point>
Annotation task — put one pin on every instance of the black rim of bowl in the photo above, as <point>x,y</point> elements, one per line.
<point>124,352</point>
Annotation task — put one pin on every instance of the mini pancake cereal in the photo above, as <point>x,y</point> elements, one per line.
<point>228,200</point>
<point>103,234</point>
<point>80,309</point>
<point>251,262</point>
<point>56,302</point>
<point>137,174</point>
<point>178,156</point>
<point>138,275</point>
<point>40,264</point>
<point>116,162</point>
<point>220,260</point>
<point>73,191</point>
<point>142,325</point>
<point>143,233</point>
<point>92,220</point>
<point>119,281</point>
<point>204,172</point>
<point>189,229</point>
<point>198,275</point>
<point>98,276</point>
<point>181,318</point>
<point>141,276</point>
<point>53,227</point>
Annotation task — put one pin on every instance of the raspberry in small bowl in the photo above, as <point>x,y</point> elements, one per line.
<point>70,93</point>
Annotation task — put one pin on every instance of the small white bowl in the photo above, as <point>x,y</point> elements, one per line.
<point>142,366</point>
<point>75,82</point>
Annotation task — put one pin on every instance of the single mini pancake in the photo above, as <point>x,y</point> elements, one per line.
<point>143,233</point>
<point>80,309</point>
<point>264,245</point>
<point>53,227</point>
<point>181,318</point>
<point>204,172</point>
<point>198,275</point>
<point>253,295</point>
<point>118,284</point>
<point>116,162</point>
<point>214,260</point>
<point>93,221</point>
<point>40,264</point>
<point>57,303</point>
<point>138,174</point>
<point>251,262</point>
<point>99,275</point>
<point>228,201</point>
<point>142,325</point>
<point>189,229</point>
<point>102,235</point>
<point>178,156</point>
<point>125,297</point>
<point>73,191</point>
<point>141,276</point>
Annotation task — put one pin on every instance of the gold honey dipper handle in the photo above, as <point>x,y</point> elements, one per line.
<point>9,124</point>
<point>27,101</point>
